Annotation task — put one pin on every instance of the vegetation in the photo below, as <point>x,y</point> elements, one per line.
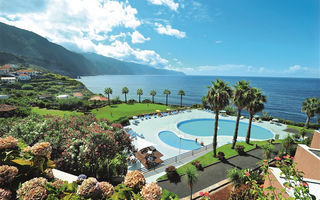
<point>167,92</point>
<point>254,106</point>
<point>44,111</point>
<point>191,177</point>
<point>181,93</point>
<point>230,110</point>
<point>218,98</point>
<point>241,97</point>
<point>108,91</point>
<point>139,93</point>
<point>125,91</point>
<point>118,111</point>
<point>310,106</point>
<point>153,93</point>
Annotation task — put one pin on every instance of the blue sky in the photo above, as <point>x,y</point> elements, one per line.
<point>198,37</point>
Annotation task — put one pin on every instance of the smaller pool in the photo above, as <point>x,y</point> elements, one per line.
<point>173,140</point>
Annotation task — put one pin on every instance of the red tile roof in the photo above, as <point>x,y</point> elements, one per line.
<point>25,70</point>
<point>6,66</point>
<point>78,94</point>
<point>6,108</point>
<point>23,75</point>
<point>98,98</point>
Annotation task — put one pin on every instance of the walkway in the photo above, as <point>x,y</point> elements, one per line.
<point>215,173</point>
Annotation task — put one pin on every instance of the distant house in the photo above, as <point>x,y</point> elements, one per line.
<point>63,96</point>
<point>78,95</point>
<point>8,79</point>
<point>29,72</point>
<point>4,96</point>
<point>7,110</point>
<point>4,71</point>
<point>98,98</point>
<point>24,77</point>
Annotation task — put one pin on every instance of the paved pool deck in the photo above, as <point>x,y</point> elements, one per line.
<point>151,127</point>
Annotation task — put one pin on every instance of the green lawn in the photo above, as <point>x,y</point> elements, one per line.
<point>115,112</point>
<point>208,158</point>
<point>298,128</point>
<point>44,111</point>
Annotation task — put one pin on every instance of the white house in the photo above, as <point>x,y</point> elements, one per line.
<point>63,96</point>
<point>4,71</point>
<point>8,79</point>
<point>4,96</point>
<point>24,77</point>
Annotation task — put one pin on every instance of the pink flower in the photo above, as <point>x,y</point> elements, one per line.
<point>201,193</point>
<point>247,173</point>
<point>206,194</point>
<point>277,158</point>
<point>304,184</point>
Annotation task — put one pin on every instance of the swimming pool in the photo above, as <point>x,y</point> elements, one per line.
<point>205,127</point>
<point>172,139</point>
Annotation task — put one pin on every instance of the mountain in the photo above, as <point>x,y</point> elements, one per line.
<point>21,46</point>
<point>107,65</point>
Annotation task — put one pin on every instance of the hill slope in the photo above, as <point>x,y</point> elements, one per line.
<point>18,45</point>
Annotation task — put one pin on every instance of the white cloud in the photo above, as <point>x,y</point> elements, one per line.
<point>168,30</point>
<point>86,25</point>
<point>296,68</point>
<point>170,3</point>
<point>137,37</point>
<point>218,41</point>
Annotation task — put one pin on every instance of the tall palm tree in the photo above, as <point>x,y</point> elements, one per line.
<point>181,93</point>
<point>254,106</point>
<point>218,97</point>
<point>310,106</point>
<point>191,178</point>
<point>153,93</point>
<point>140,92</point>
<point>125,91</point>
<point>241,98</point>
<point>108,91</point>
<point>167,93</point>
<point>204,101</point>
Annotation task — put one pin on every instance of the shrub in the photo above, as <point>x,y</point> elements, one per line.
<point>27,87</point>
<point>267,150</point>
<point>172,174</point>
<point>167,195</point>
<point>146,101</point>
<point>240,149</point>
<point>277,136</point>
<point>197,164</point>
<point>230,110</point>
<point>221,156</point>
<point>116,100</point>
<point>132,101</point>
<point>236,176</point>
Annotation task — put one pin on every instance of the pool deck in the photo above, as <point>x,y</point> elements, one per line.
<point>151,127</point>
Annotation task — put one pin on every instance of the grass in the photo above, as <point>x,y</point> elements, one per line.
<point>208,159</point>
<point>115,112</point>
<point>44,111</point>
<point>298,128</point>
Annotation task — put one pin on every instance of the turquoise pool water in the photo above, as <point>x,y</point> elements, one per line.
<point>205,127</point>
<point>172,139</point>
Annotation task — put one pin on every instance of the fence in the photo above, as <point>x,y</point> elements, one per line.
<point>177,158</point>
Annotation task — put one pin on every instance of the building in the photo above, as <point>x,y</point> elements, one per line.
<point>78,95</point>
<point>8,79</point>
<point>29,72</point>
<point>63,96</point>
<point>24,77</point>
<point>7,110</point>
<point>307,160</point>
<point>4,96</point>
<point>4,71</point>
<point>98,98</point>
<point>45,96</point>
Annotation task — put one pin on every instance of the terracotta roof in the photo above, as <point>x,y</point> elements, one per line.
<point>78,94</point>
<point>25,70</point>
<point>23,75</point>
<point>6,66</point>
<point>6,108</point>
<point>98,98</point>
<point>3,69</point>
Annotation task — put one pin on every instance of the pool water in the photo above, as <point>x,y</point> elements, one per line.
<point>205,127</point>
<point>172,139</point>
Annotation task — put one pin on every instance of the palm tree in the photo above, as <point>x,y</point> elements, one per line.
<point>310,106</point>
<point>125,91</point>
<point>153,93</point>
<point>240,99</point>
<point>218,97</point>
<point>204,101</point>
<point>254,106</point>
<point>167,93</point>
<point>140,92</point>
<point>108,91</point>
<point>181,93</point>
<point>191,178</point>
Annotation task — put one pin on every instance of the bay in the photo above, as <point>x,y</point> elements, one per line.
<point>284,95</point>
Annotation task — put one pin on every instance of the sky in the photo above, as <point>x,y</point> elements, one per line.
<point>278,38</point>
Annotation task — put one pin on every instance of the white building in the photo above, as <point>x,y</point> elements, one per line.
<point>4,96</point>
<point>24,77</point>
<point>8,79</point>
<point>63,96</point>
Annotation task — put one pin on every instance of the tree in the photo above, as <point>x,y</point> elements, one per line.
<point>153,93</point>
<point>125,91</point>
<point>204,101</point>
<point>191,178</point>
<point>167,93</point>
<point>181,93</point>
<point>241,98</point>
<point>140,92</point>
<point>108,91</point>
<point>310,106</point>
<point>218,97</point>
<point>254,106</point>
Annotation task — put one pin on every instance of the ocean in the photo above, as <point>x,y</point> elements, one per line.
<point>284,95</point>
